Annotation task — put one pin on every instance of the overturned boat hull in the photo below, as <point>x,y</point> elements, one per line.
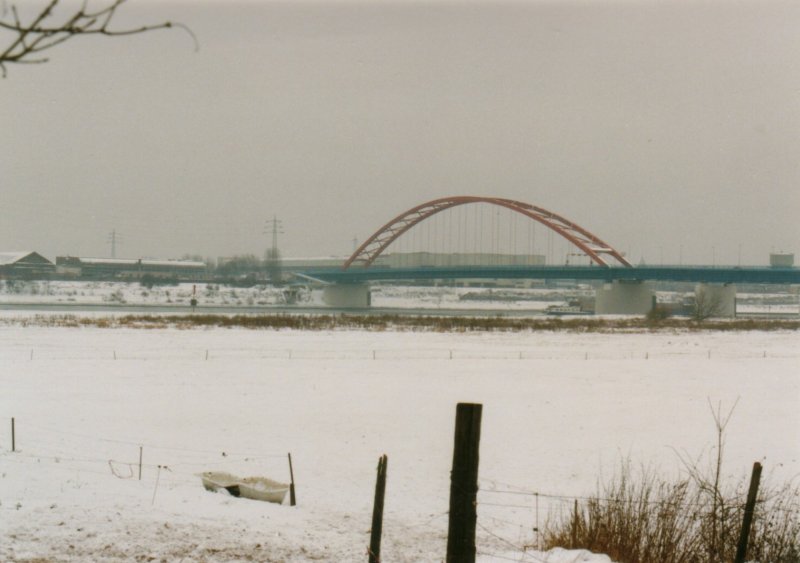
<point>255,488</point>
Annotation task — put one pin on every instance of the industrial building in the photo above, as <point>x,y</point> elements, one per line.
<point>25,265</point>
<point>781,260</point>
<point>113,268</point>
<point>443,260</point>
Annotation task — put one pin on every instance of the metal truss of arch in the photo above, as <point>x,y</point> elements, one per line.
<point>597,250</point>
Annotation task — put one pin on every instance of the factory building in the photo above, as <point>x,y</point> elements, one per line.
<point>781,260</point>
<point>25,265</point>
<point>113,268</point>
<point>442,260</point>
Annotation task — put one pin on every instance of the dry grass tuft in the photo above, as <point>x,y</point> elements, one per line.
<point>399,322</point>
<point>644,518</point>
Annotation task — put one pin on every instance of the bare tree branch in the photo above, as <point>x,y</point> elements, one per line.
<point>41,33</point>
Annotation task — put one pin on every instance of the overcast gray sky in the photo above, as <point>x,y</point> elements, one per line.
<point>654,124</point>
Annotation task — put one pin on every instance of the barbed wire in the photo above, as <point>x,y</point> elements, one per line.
<point>516,491</point>
<point>502,521</point>
<point>571,498</point>
<point>505,505</point>
<point>593,498</point>
<point>150,445</point>
<point>46,448</point>
<point>517,548</point>
<point>64,462</point>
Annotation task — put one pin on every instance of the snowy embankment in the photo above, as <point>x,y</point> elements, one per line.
<point>560,412</point>
<point>210,296</point>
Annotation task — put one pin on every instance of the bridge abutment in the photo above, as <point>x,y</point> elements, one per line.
<point>715,300</point>
<point>347,295</point>
<point>624,298</point>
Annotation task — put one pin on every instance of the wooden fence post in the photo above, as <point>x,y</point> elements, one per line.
<point>377,512</point>
<point>292,497</point>
<point>574,530</point>
<point>464,484</point>
<point>13,436</point>
<point>741,547</point>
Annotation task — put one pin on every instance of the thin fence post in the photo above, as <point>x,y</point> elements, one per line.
<point>13,436</point>
<point>536,528</point>
<point>292,497</point>
<point>464,484</point>
<point>574,531</point>
<point>377,512</point>
<point>741,548</point>
<point>140,463</point>
<point>155,489</point>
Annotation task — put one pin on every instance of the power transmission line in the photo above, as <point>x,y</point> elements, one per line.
<point>276,226</point>
<point>114,238</point>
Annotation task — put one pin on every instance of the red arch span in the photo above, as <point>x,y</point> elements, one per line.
<point>594,248</point>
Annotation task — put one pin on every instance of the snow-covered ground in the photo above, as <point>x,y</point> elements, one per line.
<point>218,295</point>
<point>560,412</point>
<point>134,293</point>
<point>383,296</point>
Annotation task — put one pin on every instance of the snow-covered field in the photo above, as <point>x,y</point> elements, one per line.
<point>384,296</point>
<point>560,412</point>
<point>134,293</point>
<point>218,295</point>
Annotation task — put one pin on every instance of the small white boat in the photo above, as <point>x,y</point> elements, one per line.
<point>255,488</point>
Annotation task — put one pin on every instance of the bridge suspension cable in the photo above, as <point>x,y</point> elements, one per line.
<point>597,250</point>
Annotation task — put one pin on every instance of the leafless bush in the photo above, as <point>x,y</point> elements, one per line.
<point>707,304</point>
<point>640,517</point>
<point>657,315</point>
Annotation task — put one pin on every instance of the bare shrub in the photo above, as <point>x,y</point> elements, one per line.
<point>657,315</point>
<point>707,304</point>
<point>641,517</point>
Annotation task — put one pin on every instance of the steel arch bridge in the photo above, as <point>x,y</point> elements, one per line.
<point>597,250</point>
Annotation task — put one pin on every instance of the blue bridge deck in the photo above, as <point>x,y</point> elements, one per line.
<point>697,274</point>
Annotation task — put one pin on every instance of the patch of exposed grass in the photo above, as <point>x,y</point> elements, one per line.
<point>408,323</point>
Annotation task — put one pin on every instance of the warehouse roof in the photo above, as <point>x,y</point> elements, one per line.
<point>9,258</point>
<point>144,261</point>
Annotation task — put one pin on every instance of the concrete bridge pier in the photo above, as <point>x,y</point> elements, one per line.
<point>624,298</point>
<point>715,299</point>
<point>347,295</point>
